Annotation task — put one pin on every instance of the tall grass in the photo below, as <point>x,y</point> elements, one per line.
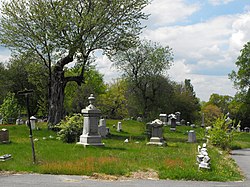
<point>177,160</point>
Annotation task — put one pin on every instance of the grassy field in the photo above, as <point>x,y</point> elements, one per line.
<point>177,160</point>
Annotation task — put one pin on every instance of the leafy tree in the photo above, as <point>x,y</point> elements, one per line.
<point>5,83</point>
<point>221,101</point>
<point>76,96</point>
<point>185,101</point>
<point>241,79</point>
<point>211,113</point>
<point>143,67</point>
<point>9,108</point>
<point>114,103</point>
<point>70,33</point>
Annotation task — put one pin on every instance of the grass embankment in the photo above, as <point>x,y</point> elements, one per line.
<point>177,160</point>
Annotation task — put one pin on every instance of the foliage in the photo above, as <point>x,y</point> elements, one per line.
<point>76,96</point>
<point>221,101</point>
<point>9,108</point>
<point>70,129</point>
<point>241,79</point>
<point>71,33</point>
<point>211,113</point>
<point>143,67</point>
<point>223,132</point>
<point>114,103</point>
<point>185,101</point>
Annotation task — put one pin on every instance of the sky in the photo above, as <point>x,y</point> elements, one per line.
<point>206,37</point>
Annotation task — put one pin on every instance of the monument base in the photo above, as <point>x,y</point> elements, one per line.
<point>87,140</point>
<point>156,141</point>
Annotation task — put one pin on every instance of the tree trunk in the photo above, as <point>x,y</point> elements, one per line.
<point>56,100</point>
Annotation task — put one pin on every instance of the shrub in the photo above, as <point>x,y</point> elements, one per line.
<point>222,133</point>
<point>70,129</point>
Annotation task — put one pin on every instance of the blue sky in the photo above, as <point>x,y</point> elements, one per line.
<point>206,37</point>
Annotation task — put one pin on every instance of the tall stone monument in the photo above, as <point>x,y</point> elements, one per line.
<point>90,135</point>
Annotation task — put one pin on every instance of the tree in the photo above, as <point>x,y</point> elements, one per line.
<point>71,32</point>
<point>185,101</point>
<point>221,101</point>
<point>211,113</point>
<point>9,108</point>
<point>143,67</point>
<point>114,103</point>
<point>76,96</point>
<point>241,79</point>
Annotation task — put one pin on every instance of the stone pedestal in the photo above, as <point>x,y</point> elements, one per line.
<point>90,135</point>
<point>191,136</point>
<point>157,133</point>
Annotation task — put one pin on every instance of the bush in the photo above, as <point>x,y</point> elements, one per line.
<point>222,133</point>
<point>71,128</point>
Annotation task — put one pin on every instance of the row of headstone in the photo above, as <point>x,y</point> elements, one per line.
<point>202,158</point>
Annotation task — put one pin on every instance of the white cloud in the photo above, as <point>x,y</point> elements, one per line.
<point>168,11</point>
<point>204,50</point>
<point>104,65</point>
<point>219,2</point>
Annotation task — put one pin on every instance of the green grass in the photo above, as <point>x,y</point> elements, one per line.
<point>177,160</point>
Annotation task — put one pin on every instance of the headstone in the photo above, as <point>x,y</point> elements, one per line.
<point>178,118</point>
<point>163,118</point>
<point>90,135</point>
<point>183,122</point>
<point>33,122</point>
<point>202,120</point>
<point>188,123</point>
<point>1,121</point>
<point>173,123</point>
<point>102,129</point>
<point>246,129</point>
<point>19,121</point>
<point>192,125</point>
<point>202,158</point>
<point>119,126</point>
<point>4,136</point>
<point>157,133</point>
<point>191,136</point>
<point>139,119</point>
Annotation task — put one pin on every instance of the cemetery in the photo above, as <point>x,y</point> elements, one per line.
<point>60,112</point>
<point>171,154</point>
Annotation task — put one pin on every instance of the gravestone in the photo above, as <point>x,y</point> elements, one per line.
<point>33,122</point>
<point>90,135</point>
<point>102,129</point>
<point>157,133</point>
<point>4,136</point>
<point>119,126</point>
<point>246,129</point>
<point>19,121</point>
<point>191,136</point>
<point>163,118</point>
<point>178,118</point>
<point>173,123</point>
<point>183,122</point>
